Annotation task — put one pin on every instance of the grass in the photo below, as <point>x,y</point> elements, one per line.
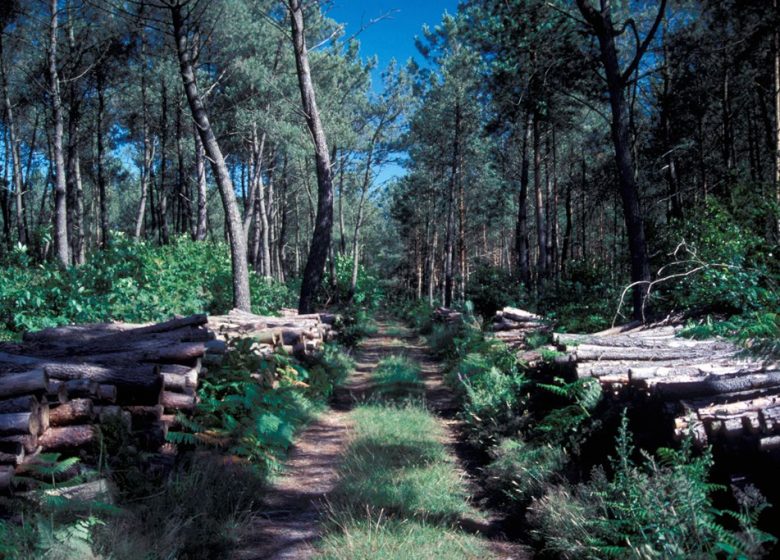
<point>397,378</point>
<point>399,495</point>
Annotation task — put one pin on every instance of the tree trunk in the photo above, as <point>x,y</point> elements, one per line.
<point>449,244</point>
<point>102,194</point>
<point>60,188</point>
<point>162,190</point>
<point>521,229</point>
<point>200,168</point>
<point>777,125</point>
<point>241,295</point>
<point>320,243</point>
<point>541,227</point>
<point>616,83</point>
<point>16,160</point>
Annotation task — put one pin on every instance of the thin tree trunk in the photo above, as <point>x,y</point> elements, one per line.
<point>449,243</point>
<point>16,160</point>
<point>60,188</point>
<point>541,227</point>
<point>241,295</point>
<point>101,179</point>
<point>162,190</point>
<point>777,125</point>
<point>200,168</point>
<point>318,252</point>
<point>521,229</point>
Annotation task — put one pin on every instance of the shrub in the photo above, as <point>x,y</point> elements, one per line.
<point>522,471</point>
<point>130,281</point>
<point>660,508</point>
<point>491,288</point>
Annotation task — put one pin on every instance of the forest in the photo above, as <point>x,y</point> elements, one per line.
<point>265,293</point>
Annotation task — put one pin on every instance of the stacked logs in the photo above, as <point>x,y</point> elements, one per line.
<point>298,335</point>
<point>447,316</point>
<point>512,326</point>
<point>714,389</point>
<point>60,384</point>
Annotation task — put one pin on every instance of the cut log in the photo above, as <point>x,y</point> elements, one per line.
<point>27,403</point>
<point>178,401</point>
<point>717,350</point>
<point>6,477</point>
<point>520,315</point>
<point>19,423</point>
<point>99,490</point>
<point>27,441</point>
<point>106,393</point>
<point>180,382</point>
<point>216,347</point>
<point>134,385</point>
<point>79,388</point>
<point>43,416</point>
<point>113,414</point>
<point>68,438</point>
<point>29,382</point>
<point>11,453</point>
<point>76,411</point>
<point>144,415</point>
<point>686,387</point>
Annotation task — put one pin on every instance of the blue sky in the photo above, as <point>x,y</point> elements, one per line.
<point>392,37</point>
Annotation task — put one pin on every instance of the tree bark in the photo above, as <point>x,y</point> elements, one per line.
<point>521,229</point>
<point>541,227</point>
<point>16,160</point>
<point>241,295</point>
<point>777,124</point>
<point>60,188</point>
<point>449,243</point>
<point>320,243</point>
<point>102,189</point>
<point>200,168</point>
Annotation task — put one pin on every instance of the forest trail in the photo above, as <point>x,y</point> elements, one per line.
<point>288,525</point>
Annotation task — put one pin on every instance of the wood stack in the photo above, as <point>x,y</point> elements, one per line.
<point>512,326</point>
<point>447,316</point>
<point>60,384</point>
<point>298,335</point>
<point>715,390</point>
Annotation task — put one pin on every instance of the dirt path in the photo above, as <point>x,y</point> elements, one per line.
<point>288,523</point>
<point>442,402</point>
<point>288,526</point>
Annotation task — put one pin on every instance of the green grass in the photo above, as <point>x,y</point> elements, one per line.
<point>397,378</point>
<point>399,494</point>
<point>381,538</point>
<point>397,331</point>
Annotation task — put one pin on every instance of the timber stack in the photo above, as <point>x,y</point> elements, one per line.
<point>715,390</point>
<point>59,385</point>
<point>299,335</point>
<point>447,316</point>
<point>512,326</point>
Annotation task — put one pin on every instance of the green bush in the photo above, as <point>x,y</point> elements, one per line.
<point>130,281</point>
<point>659,508</point>
<point>738,274</point>
<point>523,471</point>
<point>368,289</point>
<point>491,288</point>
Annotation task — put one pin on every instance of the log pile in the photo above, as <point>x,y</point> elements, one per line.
<point>512,326</point>
<point>60,384</point>
<point>298,335</point>
<point>713,388</point>
<point>447,316</point>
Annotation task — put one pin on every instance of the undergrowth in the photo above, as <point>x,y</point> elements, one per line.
<point>536,428</point>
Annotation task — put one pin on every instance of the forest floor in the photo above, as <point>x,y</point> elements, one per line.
<point>362,480</point>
